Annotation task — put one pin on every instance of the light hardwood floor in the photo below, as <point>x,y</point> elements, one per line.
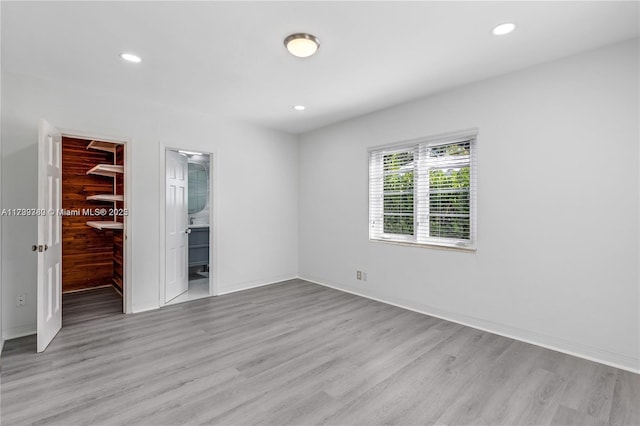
<point>298,353</point>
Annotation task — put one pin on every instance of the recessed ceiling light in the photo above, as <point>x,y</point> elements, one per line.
<point>302,45</point>
<point>299,107</point>
<point>131,57</point>
<point>503,29</point>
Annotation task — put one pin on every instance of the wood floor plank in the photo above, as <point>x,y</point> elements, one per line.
<point>566,416</point>
<point>307,410</point>
<point>485,397</point>
<point>535,401</point>
<point>296,353</point>
<point>482,350</point>
<point>625,404</point>
<point>590,389</point>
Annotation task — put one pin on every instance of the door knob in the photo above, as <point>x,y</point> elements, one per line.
<point>34,248</point>
<point>187,231</point>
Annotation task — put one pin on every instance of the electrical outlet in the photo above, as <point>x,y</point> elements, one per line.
<point>21,300</point>
<point>359,275</point>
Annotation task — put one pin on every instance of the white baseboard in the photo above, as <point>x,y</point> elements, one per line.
<point>138,309</point>
<point>232,288</point>
<point>579,350</point>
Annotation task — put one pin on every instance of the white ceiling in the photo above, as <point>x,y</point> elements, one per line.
<point>228,57</point>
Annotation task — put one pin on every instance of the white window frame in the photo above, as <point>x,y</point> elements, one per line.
<point>423,164</point>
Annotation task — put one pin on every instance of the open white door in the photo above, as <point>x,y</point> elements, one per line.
<point>177,228</point>
<point>49,246</point>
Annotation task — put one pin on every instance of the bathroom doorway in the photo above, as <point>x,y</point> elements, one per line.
<point>188,226</point>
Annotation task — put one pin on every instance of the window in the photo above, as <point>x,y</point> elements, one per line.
<point>424,192</point>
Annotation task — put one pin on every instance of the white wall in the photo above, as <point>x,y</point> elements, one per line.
<point>558,194</point>
<point>256,189</point>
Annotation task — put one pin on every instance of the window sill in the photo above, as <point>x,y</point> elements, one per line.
<point>450,247</point>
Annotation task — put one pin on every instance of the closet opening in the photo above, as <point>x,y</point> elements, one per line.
<point>188,219</point>
<point>93,221</point>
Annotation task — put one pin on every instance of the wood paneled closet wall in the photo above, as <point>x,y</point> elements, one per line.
<point>92,244</point>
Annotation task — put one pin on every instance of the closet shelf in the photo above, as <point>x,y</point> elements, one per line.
<point>110,170</point>
<point>102,146</point>
<point>106,224</point>
<point>106,197</point>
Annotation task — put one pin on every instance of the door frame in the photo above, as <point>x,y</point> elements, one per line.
<point>127,292</point>
<point>213,215</point>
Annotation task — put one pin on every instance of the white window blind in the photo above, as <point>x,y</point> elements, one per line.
<point>424,192</point>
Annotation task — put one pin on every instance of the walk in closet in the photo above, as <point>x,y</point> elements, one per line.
<point>93,215</point>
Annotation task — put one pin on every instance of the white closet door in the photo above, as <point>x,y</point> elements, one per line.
<point>49,247</point>
<point>177,229</point>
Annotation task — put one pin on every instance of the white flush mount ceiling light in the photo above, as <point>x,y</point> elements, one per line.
<point>504,29</point>
<point>302,45</point>
<point>299,107</point>
<point>130,57</point>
